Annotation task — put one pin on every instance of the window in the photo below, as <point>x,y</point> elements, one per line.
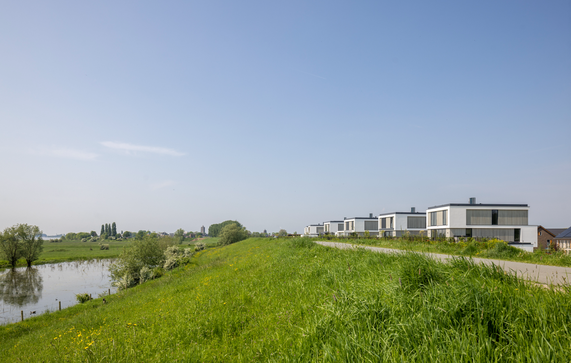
<point>517,233</point>
<point>383,223</point>
<point>494,217</point>
<point>416,222</point>
<point>371,225</point>
<point>391,223</point>
<point>468,232</point>
<point>340,227</point>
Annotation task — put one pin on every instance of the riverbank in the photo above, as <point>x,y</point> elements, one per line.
<point>295,301</point>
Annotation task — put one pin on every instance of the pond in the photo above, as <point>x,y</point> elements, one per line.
<point>41,288</point>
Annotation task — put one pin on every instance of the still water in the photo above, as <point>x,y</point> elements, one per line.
<point>42,287</point>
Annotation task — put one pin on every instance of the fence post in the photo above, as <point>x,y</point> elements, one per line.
<point>108,291</point>
<point>22,313</point>
<point>60,305</point>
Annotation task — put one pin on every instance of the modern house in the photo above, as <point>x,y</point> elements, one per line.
<point>313,230</point>
<point>333,227</point>
<point>507,222</point>
<point>360,225</point>
<point>397,224</point>
<point>563,241</point>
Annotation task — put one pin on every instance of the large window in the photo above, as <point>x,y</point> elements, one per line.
<point>340,227</point>
<point>371,225</point>
<point>383,223</point>
<point>416,222</point>
<point>494,217</point>
<point>438,218</point>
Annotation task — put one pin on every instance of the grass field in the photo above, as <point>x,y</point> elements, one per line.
<point>291,300</point>
<point>77,250</point>
<point>463,249</point>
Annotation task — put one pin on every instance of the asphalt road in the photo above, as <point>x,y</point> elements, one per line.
<point>538,273</point>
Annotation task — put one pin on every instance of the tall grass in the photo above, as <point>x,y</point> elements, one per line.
<point>294,301</point>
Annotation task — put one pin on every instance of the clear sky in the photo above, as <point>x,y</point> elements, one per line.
<point>160,115</point>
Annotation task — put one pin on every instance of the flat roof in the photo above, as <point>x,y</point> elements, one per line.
<point>478,205</point>
<point>333,222</point>
<point>388,214</point>
<point>360,218</point>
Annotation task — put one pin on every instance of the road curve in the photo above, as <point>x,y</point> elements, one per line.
<point>543,274</point>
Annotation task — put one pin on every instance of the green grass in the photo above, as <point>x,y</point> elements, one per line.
<point>73,251</point>
<point>291,300</point>
<point>474,249</point>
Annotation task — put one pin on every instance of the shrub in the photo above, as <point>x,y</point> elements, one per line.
<point>232,233</point>
<point>103,247</point>
<point>81,298</point>
<point>199,246</point>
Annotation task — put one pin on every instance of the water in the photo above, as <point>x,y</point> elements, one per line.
<point>42,287</point>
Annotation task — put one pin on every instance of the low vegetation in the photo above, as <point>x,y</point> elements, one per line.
<point>290,300</point>
<point>493,248</point>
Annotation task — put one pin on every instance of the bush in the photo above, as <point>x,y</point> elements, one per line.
<point>103,247</point>
<point>126,270</point>
<point>232,233</point>
<point>199,246</point>
<point>81,298</point>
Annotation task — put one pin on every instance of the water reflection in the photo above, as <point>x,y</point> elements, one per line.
<point>45,287</point>
<point>21,287</point>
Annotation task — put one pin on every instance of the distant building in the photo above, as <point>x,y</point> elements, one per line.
<point>545,236</point>
<point>360,225</point>
<point>333,227</point>
<point>202,230</point>
<point>563,241</point>
<point>397,224</point>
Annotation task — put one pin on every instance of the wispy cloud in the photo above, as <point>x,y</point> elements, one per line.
<point>66,153</point>
<point>163,184</point>
<point>130,148</point>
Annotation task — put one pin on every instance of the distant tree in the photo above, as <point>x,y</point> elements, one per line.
<point>9,246</point>
<point>102,230</point>
<point>93,234</point>
<point>126,234</point>
<point>179,235</point>
<point>82,235</point>
<point>32,242</point>
<point>215,229</point>
<point>140,235</point>
<point>232,233</point>
<point>282,233</point>
<point>114,229</point>
<point>70,236</point>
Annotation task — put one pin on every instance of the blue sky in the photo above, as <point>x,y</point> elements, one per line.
<point>166,115</point>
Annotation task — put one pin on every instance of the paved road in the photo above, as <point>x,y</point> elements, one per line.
<point>538,273</point>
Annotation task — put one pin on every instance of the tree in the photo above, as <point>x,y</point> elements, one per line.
<point>282,233</point>
<point>102,230</point>
<point>32,242</point>
<point>179,235</point>
<point>126,234</point>
<point>114,229</point>
<point>9,246</point>
<point>215,229</point>
<point>139,236</point>
<point>93,234</point>
<point>232,233</point>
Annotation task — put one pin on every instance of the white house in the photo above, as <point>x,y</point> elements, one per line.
<point>360,225</point>
<point>396,224</point>
<point>333,227</point>
<point>313,230</point>
<point>507,222</point>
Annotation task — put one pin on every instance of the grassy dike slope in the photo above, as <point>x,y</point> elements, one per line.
<point>291,300</point>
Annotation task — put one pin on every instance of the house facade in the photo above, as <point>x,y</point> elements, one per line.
<point>360,225</point>
<point>397,224</point>
<point>546,236</point>
<point>507,222</point>
<point>313,230</point>
<point>333,227</point>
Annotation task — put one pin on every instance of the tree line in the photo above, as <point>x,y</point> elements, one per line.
<point>21,241</point>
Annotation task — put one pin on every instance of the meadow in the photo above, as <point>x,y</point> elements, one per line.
<point>486,249</point>
<point>292,300</point>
